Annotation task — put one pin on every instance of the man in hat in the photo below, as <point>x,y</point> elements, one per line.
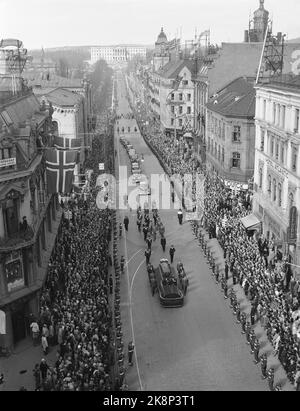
<point>172,252</point>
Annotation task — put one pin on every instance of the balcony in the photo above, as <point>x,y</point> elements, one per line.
<point>22,237</point>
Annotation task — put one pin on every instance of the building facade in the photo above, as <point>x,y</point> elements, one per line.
<point>277,164</point>
<point>29,217</point>
<point>230,132</point>
<point>117,53</point>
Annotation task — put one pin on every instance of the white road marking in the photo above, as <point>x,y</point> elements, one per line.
<point>133,256</point>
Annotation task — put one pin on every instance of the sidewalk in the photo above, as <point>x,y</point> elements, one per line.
<point>17,368</point>
<point>265,346</point>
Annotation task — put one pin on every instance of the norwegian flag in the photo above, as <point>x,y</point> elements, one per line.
<point>62,143</point>
<point>60,166</point>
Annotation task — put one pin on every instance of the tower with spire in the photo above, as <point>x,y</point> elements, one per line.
<point>161,55</point>
<point>258,25</point>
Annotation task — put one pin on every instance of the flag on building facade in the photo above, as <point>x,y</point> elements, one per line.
<point>62,143</point>
<point>60,165</point>
<point>176,83</point>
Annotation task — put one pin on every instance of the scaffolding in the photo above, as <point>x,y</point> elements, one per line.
<point>272,56</point>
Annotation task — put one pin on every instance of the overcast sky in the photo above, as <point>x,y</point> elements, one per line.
<point>52,23</point>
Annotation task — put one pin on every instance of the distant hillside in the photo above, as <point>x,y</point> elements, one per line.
<point>294,40</point>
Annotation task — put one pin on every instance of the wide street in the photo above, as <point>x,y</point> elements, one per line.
<point>196,347</point>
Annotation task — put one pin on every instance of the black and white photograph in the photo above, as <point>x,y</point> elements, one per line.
<point>149,198</point>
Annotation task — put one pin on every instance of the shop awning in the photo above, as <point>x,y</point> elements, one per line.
<point>250,222</point>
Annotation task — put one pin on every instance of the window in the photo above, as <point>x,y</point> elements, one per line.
<point>264,109</point>
<point>277,150</point>
<point>282,154</point>
<point>291,200</point>
<point>260,178</point>
<point>274,189</point>
<point>236,160</point>
<point>188,110</point>
<point>172,96</point>
<point>172,121</point>
<point>172,109</point>
<point>262,139</point>
<point>189,97</point>
<point>297,120</point>
<point>223,154</point>
<point>185,82</point>
<point>283,113</point>
<point>236,137</point>
<point>10,214</point>
<point>274,113</point>
<point>279,194</point>
<point>269,184</point>
<point>294,158</point>
<point>272,147</point>
<point>180,122</point>
<point>180,109</point>
<point>180,96</point>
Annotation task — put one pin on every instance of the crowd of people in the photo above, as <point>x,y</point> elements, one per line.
<point>269,284</point>
<point>75,315</point>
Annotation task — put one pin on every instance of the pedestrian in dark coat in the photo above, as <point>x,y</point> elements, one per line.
<point>148,255</point>
<point>163,243</point>
<point>126,223</point>
<point>172,252</point>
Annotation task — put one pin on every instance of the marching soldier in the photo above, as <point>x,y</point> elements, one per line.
<point>243,322</point>
<point>270,375</point>
<point>256,351</point>
<point>148,255</point>
<point>130,352</point>
<point>248,331</point>
<point>263,365</point>
<point>238,313</point>
<point>163,243</point>
<point>225,289</point>
<point>252,341</point>
<point>217,274</point>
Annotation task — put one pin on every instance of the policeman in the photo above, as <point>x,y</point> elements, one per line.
<point>163,243</point>
<point>148,255</point>
<point>238,313</point>
<point>226,270</point>
<point>270,376</point>
<point>243,322</point>
<point>122,263</point>
<point>180,216</point>
<point>110,285</point>
<point>145,231</point>
<point>120,229</point>
<point>263,365</point>
<point>225,289</point>
<point>248,331</point>
<point>130,353</point>
<point>256,351</point>
<point>172,252</point>
<point>213,266</point>
<point>138,223</point>
<point>217,274</point>
<point>252,340</point>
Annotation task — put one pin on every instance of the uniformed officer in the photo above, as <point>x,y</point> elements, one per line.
<point>148,255</point>
<point>110,285</point>
<point>226,270</point>
<point>243,322</point>
<point>256,351</point>
<point>217,274</point>
<point>130,352</point>
<point>252,341</point>
<point>225,289</point>
<point>122,263</point>
<point>263,365</point>
<point>248,331</point>
<point>238,313</point>
<point>270,375</point>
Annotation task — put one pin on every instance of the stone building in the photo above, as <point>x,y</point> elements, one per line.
<point>29,217</point>
<point>277,163</point>
<point>230,132</point>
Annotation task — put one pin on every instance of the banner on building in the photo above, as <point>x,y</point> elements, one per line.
<point>62,143</point>
<point>7,162</point>
<point>60,165</point>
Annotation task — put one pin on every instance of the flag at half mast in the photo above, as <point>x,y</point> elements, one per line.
<point>60,165</point>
